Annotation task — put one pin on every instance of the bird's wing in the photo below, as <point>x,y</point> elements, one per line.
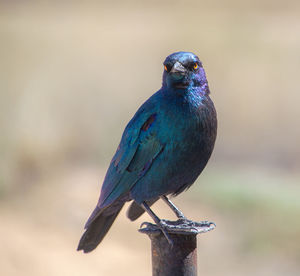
<point>138,148</point>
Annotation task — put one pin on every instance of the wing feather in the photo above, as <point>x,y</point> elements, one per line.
<point>138,148</point>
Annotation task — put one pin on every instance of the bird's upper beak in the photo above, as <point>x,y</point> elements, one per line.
<point>178,68</point>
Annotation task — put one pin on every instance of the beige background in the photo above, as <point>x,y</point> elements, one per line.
<point>72,74</point>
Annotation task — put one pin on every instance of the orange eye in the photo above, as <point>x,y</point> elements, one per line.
<point>195,66</point>
<point>166,68</point>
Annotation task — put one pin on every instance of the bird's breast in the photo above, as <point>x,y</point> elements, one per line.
<point>187,122</point>
<point>188,132</point>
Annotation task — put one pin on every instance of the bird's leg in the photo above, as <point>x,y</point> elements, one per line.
<point>177,212</point>
<point>158,221</point>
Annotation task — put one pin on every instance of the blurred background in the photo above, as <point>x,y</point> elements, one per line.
<point>72,74</point>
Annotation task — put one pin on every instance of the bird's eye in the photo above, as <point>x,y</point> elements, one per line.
<point>195,66</point>
<point>167,67</point>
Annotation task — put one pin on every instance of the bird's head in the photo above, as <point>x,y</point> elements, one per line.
<point>184,70</point>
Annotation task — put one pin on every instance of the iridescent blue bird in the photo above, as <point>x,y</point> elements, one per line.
<point>164,148</point>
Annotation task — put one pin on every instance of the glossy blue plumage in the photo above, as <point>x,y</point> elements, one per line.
<point>164,147</point>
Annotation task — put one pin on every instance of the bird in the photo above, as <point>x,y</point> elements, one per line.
<point>163,149</point>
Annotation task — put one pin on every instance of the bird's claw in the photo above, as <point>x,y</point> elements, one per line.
<point>208,223</point>
<point>147,224</point>
<point>163,227</point>
<point>212,223</point>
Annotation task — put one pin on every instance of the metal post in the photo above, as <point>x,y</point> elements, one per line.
<point>179,259</point>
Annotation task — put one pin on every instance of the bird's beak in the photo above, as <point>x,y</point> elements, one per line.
<point>178,68</point>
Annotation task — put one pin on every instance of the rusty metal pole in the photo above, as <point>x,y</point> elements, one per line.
<point>181,258</point>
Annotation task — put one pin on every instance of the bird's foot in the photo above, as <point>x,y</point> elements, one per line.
<point>162,226</point>
<point>180,226</point>
<point>186,225</point>
<point>147,225</point>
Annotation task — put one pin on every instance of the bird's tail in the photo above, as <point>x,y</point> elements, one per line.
<point>135,211</point>
<point>97,227</point>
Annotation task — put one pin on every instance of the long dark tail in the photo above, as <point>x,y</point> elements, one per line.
<point>135,211</point>
<point>97,228</point>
